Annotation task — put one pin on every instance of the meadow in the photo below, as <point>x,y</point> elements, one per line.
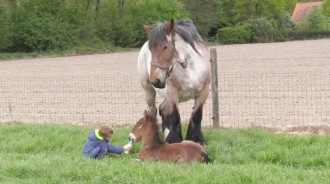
<point>51,153</point>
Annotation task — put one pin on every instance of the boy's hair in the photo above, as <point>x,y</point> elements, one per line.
<point>105,131</point>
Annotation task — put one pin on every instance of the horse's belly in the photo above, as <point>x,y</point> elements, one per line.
<point>186,95</point>
<point>189,90</point>
<point>161,92</point>
<point>183,95</point>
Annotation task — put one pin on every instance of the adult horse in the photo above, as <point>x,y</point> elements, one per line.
<point>174,62</point>
<point>154,148</point>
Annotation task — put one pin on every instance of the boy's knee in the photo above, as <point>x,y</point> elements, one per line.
<point>97,152</point>
<point>101,153</point>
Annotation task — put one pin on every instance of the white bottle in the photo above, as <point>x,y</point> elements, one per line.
<point>130,142</point>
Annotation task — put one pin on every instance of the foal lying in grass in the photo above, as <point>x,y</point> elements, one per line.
<point>154,148</point>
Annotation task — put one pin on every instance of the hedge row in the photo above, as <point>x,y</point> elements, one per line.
<point>54,25</point>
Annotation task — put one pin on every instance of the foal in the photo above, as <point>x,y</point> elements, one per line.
<point>155,148</point>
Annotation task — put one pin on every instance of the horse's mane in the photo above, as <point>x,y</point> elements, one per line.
<point>183,27</point>
<point>187,30</point>
<point>155,128</point>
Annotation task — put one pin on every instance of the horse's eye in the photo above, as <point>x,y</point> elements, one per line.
<point>165,47</point>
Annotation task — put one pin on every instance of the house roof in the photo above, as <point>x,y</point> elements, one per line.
<point>302,9</point>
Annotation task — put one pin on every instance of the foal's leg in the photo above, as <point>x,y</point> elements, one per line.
<point>145,154</point>
<point>170,122</point>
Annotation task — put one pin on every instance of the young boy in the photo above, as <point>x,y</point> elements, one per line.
<point>97,144</point>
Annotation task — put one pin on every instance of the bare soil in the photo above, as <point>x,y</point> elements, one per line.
<point>272,85</point>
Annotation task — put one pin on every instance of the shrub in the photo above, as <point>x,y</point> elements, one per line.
<point>283,26</point>
<point>262,30</point>
<point>235,34</point>
<point>315,21</point>
<point>38,26</point>
<point>326,8</point>
<point>5,34</point>
<point>129,31</point>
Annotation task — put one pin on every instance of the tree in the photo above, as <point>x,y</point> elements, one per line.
<point>326,8</point>
<point>251,9</point>
<point>5,34</point>
<point>208,15</point>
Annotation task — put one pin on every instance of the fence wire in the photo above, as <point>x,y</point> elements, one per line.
<point>270,100</point>
<point>276,100</point>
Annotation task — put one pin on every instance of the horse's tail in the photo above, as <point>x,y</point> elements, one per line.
<point>206,158</point>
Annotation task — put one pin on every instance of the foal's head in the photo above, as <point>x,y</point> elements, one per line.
<point>146,129</point>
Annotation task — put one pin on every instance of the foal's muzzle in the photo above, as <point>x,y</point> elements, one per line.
<point>131,137</point>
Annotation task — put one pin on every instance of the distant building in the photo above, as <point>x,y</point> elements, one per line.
<point>303,9</point>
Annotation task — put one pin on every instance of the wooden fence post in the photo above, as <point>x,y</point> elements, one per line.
<point>214,87</point>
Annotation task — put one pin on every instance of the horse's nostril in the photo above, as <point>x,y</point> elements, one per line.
<point>158,83</point>
<point>155,82</point>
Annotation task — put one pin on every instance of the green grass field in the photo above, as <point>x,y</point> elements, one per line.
<point>51,153</point>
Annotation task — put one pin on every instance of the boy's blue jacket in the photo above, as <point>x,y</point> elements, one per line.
<point>95,140</point>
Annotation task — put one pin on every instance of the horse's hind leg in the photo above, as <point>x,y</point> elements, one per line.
<point>194,131</point>
<point>170,122</point>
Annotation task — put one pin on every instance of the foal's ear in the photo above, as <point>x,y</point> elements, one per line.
<point>148,28</point>
<point>169,27</point>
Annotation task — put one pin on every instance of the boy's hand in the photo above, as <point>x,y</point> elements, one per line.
<point>127,147</point>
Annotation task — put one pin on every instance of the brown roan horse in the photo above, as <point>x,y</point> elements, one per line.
<point>174,63</point>
<point>154,148</point>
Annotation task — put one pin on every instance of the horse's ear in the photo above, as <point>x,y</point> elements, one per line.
<point>152,112</point>
<point>145,114</point>
<point>148,28</point>
<point>169,27</point>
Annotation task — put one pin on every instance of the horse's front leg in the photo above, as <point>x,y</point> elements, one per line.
<point>170,122</point>
<point>150,96</point>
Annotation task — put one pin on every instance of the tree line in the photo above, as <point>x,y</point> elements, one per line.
<point>61,25</point>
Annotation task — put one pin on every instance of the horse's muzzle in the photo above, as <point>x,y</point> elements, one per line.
<point>158,84</point>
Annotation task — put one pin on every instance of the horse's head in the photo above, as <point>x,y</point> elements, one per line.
<point>139,129</point>
<point>162,47</point>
